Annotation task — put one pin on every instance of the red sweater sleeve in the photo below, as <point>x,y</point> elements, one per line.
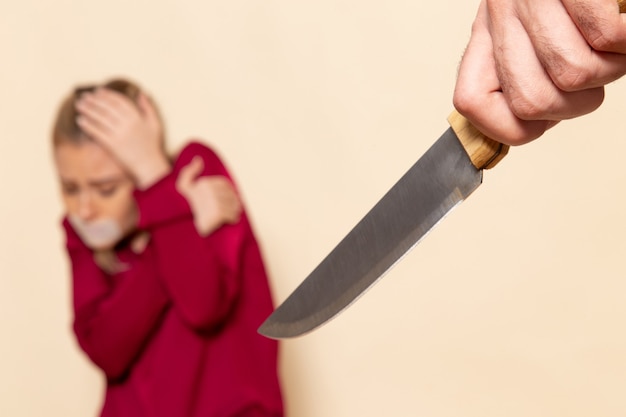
<point>201,274</point>
<point>112,322</point>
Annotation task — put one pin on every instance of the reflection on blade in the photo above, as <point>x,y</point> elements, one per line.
<point>440,180</point>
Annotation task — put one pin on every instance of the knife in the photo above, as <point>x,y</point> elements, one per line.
<point>440,180</point>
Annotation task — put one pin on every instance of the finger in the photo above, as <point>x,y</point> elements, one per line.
<point>187,175</point>
<point>238,210</point>
<point>564,52</point>
<point>527,87</point>
<point>234,207</point>
<point>601,24</point>
<point>190,172</point>
<point>117,102</point>
<point>96,112</point>
<point>94,130</point>
<point>149,112</point>
<point>197,166</point>
<point>103,101</point>
<point>109,108</point>
<point>527,101</point>
<point>146,106</point>
<point>478,95</point>
<point>227,196</point>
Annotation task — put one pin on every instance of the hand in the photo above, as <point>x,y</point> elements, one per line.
<point>213,199</point>
<point>131,132</point>
<point>532,63</point>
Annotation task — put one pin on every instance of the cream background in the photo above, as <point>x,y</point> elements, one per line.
<point>514,306</point>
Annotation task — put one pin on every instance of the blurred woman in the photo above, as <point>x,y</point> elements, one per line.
<point>169,285</point>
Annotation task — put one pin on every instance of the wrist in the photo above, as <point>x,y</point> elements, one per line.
<point>148,174</point>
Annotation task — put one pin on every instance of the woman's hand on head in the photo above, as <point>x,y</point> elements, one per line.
<point>131,132</point>
<point>213,199</point>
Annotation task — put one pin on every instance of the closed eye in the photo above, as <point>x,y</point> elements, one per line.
<point>107,187</point>
<point>69,189</point>
<point>107,191</point>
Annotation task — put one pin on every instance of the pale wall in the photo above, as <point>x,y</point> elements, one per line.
<point>513,307</point>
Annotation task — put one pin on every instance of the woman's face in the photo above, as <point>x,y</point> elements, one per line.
<point>97,193</point>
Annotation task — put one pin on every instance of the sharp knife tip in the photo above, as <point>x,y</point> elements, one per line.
<point>278,330</point>
<point>265,330</point>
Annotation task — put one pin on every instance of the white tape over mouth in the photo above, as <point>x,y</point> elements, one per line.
<point>98,234</point>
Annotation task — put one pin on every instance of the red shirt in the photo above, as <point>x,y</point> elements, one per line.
<point>176,332</point>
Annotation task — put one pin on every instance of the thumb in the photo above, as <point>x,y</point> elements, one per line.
<point>189,173</point>
<point>147,107</point>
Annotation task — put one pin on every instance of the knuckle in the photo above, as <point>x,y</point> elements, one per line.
<point>600,29</point>
<point>570,73</point>
<point>566,70</point>
<point>573,79</point>
<point>526,106</point>
<point>599,41</point>
<point>460,103</point>
<point>602,38</point>
<point>462,99</point>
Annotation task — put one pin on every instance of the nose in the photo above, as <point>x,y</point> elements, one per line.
<point>86,208</point>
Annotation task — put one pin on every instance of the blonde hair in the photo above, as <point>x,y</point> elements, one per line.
<point>66,130</point>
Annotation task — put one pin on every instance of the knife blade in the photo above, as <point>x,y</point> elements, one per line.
<point>441,179</point>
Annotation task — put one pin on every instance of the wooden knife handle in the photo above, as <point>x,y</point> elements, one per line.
<point>622,6</point>
<point>484,152</point>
